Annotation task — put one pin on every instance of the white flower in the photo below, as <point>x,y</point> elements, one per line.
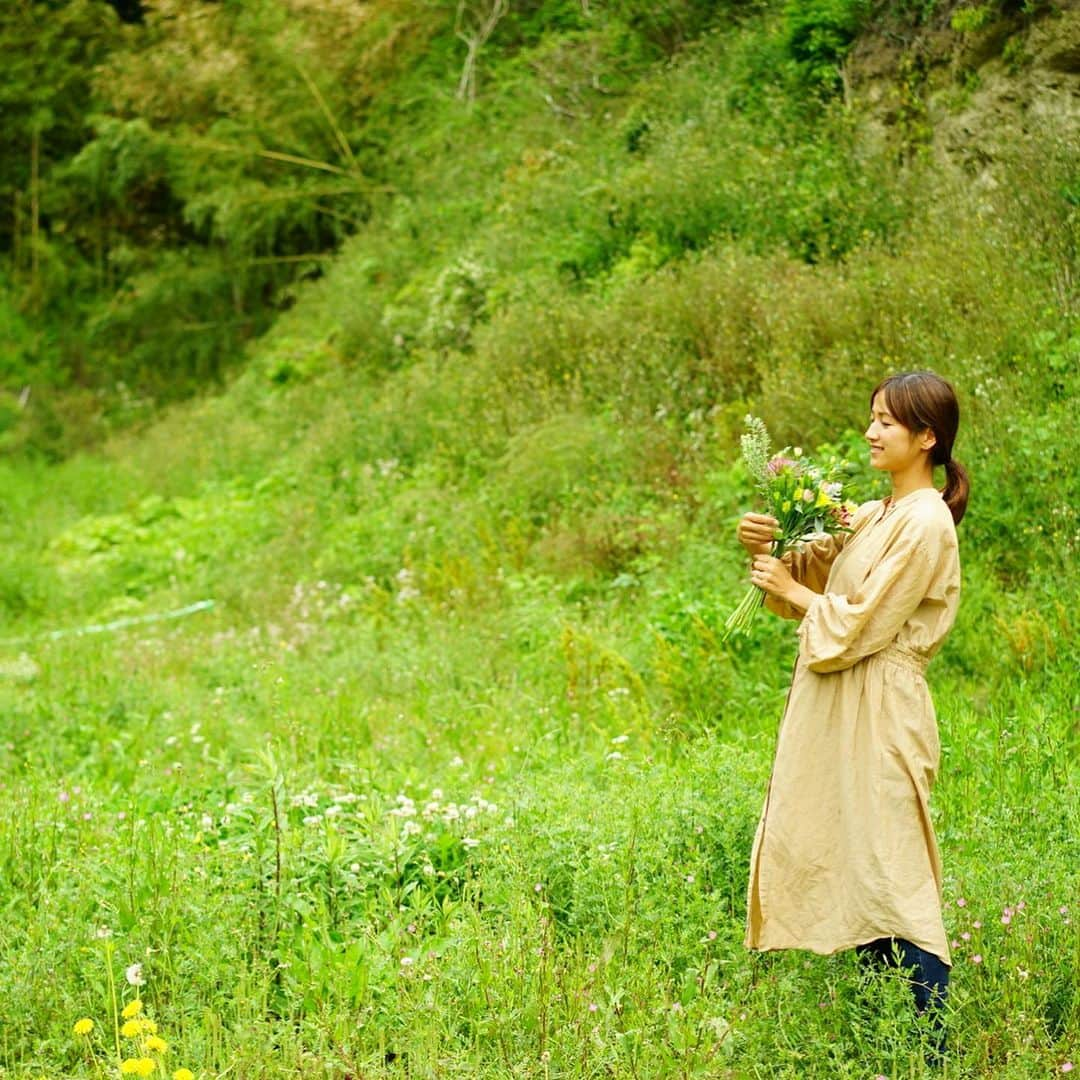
<point>134,975</point>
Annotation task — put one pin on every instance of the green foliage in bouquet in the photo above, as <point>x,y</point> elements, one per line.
<point>807,499</point>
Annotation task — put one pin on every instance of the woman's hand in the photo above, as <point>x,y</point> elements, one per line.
<point>756,532</point>
<point>771,575</point>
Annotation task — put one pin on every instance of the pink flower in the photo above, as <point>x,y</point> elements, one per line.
<point>961,902</point>
<point>1006,919</point>
<point>977,924</point>
<point>1066,1066</point>
<point>966,936</point>
<point>977,958</point>
<point>777,463</point>
<point>593,1006</point>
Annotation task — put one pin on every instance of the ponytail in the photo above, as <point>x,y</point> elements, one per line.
<point>956,489</point>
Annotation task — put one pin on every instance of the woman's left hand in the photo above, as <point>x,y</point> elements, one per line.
<point>770,574</point>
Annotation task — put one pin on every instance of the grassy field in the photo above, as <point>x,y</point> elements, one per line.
<point>454,779</point>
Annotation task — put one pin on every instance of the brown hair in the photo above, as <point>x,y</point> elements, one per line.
<point>921,400</point>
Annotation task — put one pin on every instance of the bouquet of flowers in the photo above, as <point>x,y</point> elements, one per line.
<point>806,499</point>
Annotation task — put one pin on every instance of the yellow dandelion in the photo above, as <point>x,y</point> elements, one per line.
<point>131,1028</point>
<point>129,1066</point>
<point>148,1026</point>
<point>145,1066</point>
<point>183,1074</point>
<point>157,1043</point>
<point>132,1008</point>
<point>84,1026</point>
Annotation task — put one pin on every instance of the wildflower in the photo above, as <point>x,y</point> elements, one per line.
<point>157,1044</point>
<point>134,975</point>
<point>961,902</point>
<point>132,1008</point>
<point>143,1066</point>
<point>83,1026</point>
<point>1066,1066</point>
<point>130,1029</point>
<point>593,1006</point>
<point>977,958</point>
<point>965,936</point>
<point>148,1026</point>
<point>183,1074</point>
<point>977,924</point>
<point>1006,919</point>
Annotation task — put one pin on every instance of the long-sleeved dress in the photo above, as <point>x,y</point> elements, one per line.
<point>845,850</point>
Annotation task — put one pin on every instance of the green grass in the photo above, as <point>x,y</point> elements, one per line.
<point>455,779</point>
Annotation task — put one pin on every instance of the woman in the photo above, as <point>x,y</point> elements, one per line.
<point>845,853</point>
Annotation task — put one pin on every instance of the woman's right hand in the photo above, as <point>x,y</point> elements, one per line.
<point>756,533</point>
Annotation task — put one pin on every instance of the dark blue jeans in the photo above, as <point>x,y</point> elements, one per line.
<point>929,979</point>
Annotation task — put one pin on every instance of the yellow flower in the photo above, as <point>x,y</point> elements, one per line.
<point>823,499</point>
<point>155,1042</point>
<point>183,1074</point>
<point>84,1026</point>
<point>129,1066</point>
<point>130,1028</point>
<point>148,1026</point>
<point>145,1066</point>
<point>786,507</point>
<point>132,1008</point>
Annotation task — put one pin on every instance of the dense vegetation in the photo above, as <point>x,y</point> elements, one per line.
<point>454,778</point>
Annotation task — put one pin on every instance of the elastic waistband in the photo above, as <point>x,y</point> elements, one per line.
<point>906,656</point>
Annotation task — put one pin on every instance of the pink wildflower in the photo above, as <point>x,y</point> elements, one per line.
<point>977,958</point>
<point>777,464</point>
<point>961,902</point>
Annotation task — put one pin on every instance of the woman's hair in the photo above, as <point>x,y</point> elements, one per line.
<point>921,400</point>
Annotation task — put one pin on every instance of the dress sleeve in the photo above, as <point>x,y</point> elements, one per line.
<point>809,565</point>
<point>837,631</point>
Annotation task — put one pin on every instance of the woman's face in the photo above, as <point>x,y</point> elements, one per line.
<point>893,447</point>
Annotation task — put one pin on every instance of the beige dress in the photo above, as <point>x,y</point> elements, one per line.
<point>845,850</point>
